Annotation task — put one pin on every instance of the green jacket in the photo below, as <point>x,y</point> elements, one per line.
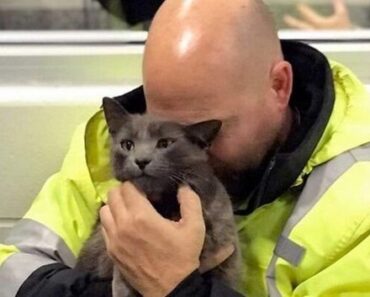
<point>309,234</point>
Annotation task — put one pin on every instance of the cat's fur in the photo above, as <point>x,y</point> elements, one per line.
<point>183,161</point>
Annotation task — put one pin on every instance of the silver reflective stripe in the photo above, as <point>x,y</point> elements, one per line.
<point>317,184</point>
<point>38,246</point>
<point>16,269</point>
<point>289,250</point>
<point>32,237</point>
<point>361,153</point>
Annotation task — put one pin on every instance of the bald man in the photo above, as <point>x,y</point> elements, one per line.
<point>293,152</point>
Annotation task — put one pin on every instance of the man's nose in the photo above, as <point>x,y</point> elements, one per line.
<point>142,163</point>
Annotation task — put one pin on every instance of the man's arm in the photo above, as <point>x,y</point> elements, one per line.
<point>59,280</point>
<point>37,262</point>
<point>40,250</point>
<point>38,256</point>
<point>311,20</point>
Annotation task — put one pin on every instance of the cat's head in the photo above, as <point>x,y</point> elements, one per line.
<point>156,149</point>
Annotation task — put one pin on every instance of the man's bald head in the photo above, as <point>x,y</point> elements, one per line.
<point>214,44</point>
<point>220,59</point>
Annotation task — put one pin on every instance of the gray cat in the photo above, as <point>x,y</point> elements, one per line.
<point>157,156</point>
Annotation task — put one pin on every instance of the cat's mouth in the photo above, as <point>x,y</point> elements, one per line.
<point>142,175</point>
<point>161,193</point>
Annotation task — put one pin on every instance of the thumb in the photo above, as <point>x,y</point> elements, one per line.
<point>190,205</point>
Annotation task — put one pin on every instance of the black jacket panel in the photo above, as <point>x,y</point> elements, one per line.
<point>58,280</point>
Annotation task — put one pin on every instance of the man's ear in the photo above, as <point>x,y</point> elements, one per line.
<point>115,114</point>
<point>203,133</point>
<point>281,77</point>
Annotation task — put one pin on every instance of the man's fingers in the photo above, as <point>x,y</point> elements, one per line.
<point>311,16</point>
<point>126,200</point>
<point>108,244</point>
<point>190,206</point>
<point>297,24</point>
<point>106,238</point>
<point>116,204</point>
<point>216,258</point>
<point>225,253</point>
<point>129,193</point>
<point>107,220</point>
<point>133,198</point>
<point>339,7</point>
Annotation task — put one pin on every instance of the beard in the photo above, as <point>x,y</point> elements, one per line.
<point>240,180</point>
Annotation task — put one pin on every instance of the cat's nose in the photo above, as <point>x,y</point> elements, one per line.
<point>142,163</point>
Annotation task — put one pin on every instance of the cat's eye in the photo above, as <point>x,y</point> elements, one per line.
<point>165,143</point>
<point>127,144</point>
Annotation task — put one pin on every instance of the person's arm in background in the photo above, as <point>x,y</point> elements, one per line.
<point>311,20</point>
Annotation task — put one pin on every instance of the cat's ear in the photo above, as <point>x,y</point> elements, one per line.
<point>115,114</point>
<point>203,133</point>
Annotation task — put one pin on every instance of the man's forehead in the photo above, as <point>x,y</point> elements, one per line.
<point>181,115</point>
<point>193,106</point>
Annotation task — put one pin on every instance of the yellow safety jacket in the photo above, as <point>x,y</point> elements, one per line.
<point>311,240</point>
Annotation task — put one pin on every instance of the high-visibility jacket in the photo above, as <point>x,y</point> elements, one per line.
<point>304,229</point>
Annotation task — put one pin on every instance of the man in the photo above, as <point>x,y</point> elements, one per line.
<point>293,151</point>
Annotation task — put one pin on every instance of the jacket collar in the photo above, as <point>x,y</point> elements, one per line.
<point>313,97</point>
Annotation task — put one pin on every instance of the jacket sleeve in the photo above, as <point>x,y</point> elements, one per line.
<point>58,280</point>
<point>336,236</point>
<point>53,231</point>
<point>196,285</point>
<point>48,237</point>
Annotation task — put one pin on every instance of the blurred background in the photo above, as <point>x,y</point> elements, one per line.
<point>90,15</point>
<point>59,58</point>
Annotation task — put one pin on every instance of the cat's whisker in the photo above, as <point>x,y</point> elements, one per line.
<point>176,181</point>
<point>176,178</point>
<point>191,173</point>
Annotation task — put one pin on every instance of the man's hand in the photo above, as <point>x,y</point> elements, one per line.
<point>311,20</point>
<point>154,254</point>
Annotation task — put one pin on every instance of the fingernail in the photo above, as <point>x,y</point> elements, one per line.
<point>183,187</point>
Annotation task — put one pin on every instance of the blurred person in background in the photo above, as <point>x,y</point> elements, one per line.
<point>132,11</point>
<point>312,20</point>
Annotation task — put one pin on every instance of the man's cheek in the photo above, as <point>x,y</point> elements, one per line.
<point>216,154</point>
<point>220,145</point>
<point>219,162</point>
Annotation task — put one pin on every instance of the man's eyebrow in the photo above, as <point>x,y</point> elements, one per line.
<point>228,120</point>
<point>190,122</point>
